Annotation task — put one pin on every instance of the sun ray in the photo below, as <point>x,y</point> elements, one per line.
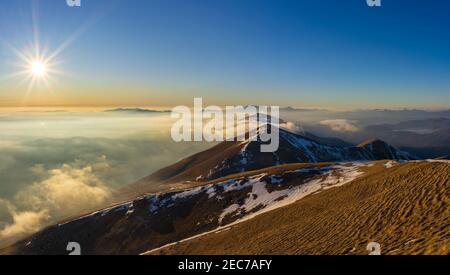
<point>29,89</point>
<point>74,36</point>
<point>22,55</point>
<point>35,19</point>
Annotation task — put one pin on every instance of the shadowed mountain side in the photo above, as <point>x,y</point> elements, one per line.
<point>428,152</point>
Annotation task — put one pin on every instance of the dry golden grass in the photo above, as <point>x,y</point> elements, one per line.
<point>404,208</point>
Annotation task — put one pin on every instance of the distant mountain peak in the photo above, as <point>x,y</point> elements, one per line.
<point>381,150</point>
<point>134,110</point>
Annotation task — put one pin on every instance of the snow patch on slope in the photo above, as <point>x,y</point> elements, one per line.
<point>261,198</point>
<point>390,164</point>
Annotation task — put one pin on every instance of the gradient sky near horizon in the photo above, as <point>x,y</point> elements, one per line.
<point>321,53</point>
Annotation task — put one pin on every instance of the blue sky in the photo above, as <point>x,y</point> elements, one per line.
<point>320,53</point>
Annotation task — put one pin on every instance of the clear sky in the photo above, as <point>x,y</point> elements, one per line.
<point>321,53</point>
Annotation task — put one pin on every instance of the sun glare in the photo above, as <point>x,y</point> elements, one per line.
<point>38,68</point>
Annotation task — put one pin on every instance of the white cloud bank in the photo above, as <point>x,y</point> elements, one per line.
<point>292,127</point>
<point>340,125</point>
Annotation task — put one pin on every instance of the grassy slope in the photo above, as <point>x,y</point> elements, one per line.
<point>405,209</point>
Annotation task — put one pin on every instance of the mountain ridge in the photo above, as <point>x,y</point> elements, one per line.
<point>234,157</point>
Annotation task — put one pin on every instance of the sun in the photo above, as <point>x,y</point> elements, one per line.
<point>38,68</point>
<point>36,64</point>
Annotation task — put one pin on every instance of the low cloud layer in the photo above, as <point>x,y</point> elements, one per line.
<point>340,125</point>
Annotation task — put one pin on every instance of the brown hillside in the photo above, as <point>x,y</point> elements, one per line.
<point>183,171</point>
<point>405,209</point>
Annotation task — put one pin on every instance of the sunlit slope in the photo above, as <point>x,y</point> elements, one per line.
<point>405,208</point>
